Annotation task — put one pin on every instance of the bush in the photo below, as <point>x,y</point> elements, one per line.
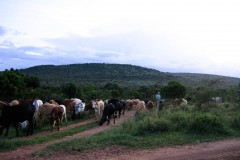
<point>146,125</point>
<point>204,123</point>
<point>150,125</point>
<point>235,121</point>
<point>179,120</point>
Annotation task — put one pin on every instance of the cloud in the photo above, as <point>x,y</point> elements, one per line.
<point>2,31</point>
<point>6,44</point>
<point>33,53</point>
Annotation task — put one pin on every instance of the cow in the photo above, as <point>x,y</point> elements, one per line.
<point>64,114</point>
<point>79,107</point>
<point>123,106</point>
<point>184,102</point>
<point>177,102</point>
<point>149,105</point>
<point>118,106</point>
<point>108,111</point>
<point>15,115</point>
<point>74,106</point>
<point>90,109</point>
<point>129,104</point>
<point>98,105</point>
<point>217,99</point>
<point>37,103</point>
<point>174,103</point>
<point>56,116</point>
<point>44,111</point>
<point>140,105</point>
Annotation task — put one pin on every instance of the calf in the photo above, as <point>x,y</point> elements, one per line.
<point>14,115</point>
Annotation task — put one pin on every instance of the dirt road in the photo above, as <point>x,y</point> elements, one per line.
<point>221,150</point>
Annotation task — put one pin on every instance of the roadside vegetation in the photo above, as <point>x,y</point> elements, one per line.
<point>182,125</point>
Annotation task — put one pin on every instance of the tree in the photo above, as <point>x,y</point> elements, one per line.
<point>202,95</point>
<point>12,85</point>
<point>32,82</point>
<point>70,90</point>
<point>115,93</point>
<point>173,90</point>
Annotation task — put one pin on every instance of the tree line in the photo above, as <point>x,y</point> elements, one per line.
<point>16,85</point>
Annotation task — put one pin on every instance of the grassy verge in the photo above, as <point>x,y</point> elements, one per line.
<point>11,144</point>
<point>147,130</point>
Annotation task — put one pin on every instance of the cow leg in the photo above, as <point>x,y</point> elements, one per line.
<point>52,125</point>
<point>16,127</point>
<point>30,127</point>
<point>113,118</point>
<point>65,115</point>
<point>108,121</point>
<point>7,128</point>
<point>58,123</point>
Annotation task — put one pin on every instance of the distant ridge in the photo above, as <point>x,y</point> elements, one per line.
<point>122,74</point>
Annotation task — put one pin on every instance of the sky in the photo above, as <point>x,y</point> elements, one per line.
<point>190,36</point>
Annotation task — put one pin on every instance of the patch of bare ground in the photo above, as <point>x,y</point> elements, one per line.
<point>220,150</point>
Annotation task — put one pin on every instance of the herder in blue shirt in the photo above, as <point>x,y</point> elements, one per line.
<point>159,102</point>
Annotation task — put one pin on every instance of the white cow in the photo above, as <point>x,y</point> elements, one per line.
<point>98,105</point>
<point>184,102</point>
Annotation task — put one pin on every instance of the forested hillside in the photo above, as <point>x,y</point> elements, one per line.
<point>123,75</point>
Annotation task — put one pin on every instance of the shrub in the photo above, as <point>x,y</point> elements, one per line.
<point>146,125</point>
<point>235,121</point>
<point>151,125</point>
<point>179,120</point>
<point>203,123</point>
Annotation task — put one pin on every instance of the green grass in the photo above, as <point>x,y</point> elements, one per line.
<point>11,144</point>
<point>147,130</point>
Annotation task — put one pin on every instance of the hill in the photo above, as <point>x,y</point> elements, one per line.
<point>122,74</point>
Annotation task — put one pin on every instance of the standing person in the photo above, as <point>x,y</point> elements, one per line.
<point>159,102</point>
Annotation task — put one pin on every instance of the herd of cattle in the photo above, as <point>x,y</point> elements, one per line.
<point>33,112</point>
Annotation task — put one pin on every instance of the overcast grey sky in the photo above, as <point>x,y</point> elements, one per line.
<point>196,36</point>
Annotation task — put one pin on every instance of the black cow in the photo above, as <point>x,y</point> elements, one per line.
<point>123,104</point>
<point>15,114</point>
<point>119,106</point>
<point>108,111</point>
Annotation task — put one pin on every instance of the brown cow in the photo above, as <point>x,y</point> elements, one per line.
<point>149,105</point>
<point>44,111</point>
<point>129,104</point>
<point>56,117</point>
